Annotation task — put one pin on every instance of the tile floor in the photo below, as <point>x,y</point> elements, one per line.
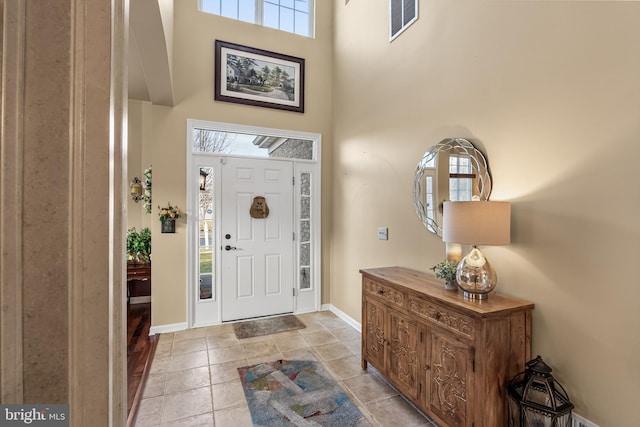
<point>193,379</point>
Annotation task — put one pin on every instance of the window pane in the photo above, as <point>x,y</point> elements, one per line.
<point>305,208</point>
<point>302,23</point>
<point>409,11</point>
<point>305,234</point>
<point>230,9</point>
<point>305,254</point>
<point>271,15</point>
<point>206,234</point>
<point>286,19</point>
<point>286,3</point>
<point>247,11</point>
<point>302,5</point>
<point>305,278</point>
<point>211,6</point>
<point>305,184</point>
<point>396,16</point>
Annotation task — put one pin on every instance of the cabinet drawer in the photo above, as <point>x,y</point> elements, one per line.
<point>384,292</point>
<point>442,316</point>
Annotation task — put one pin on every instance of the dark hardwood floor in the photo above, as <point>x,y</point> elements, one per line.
<point>140,350</point>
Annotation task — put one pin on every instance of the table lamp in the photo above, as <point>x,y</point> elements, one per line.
<point>476,223</point>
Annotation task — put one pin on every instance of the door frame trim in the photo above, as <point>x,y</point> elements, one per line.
<point>192,183</point>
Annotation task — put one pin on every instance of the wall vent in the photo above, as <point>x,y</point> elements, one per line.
<point>579,421</point>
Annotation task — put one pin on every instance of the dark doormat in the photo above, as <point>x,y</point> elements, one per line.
<point>272,325</point>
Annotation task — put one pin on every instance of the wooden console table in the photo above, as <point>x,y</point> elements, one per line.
<point>138,280</point>
<point>450,356</point>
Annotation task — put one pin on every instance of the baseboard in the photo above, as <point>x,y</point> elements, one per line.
<point>344,316</point>
<point>165,329</point>
<point>140,300</point>
<point>579,421</point>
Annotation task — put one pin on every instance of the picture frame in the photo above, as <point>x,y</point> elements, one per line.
<point>251,76</point>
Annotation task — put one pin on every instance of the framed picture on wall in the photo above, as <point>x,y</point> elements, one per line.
<point>246,75</point>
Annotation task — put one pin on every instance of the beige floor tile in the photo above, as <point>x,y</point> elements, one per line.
<point>223,372</point>
<point>334,323</point>
<point>186,403</point>
<point>180,362</point>
<point>189,346</point>
<point>260,349</point>
<point>354,347</point>
<point>154,385</point>
<point>320,338</point>
<point>238,416</point>
<point>187,379</point>
<point>197,372</point>
<point>346,334</point>
<point>189,334</point>
<point>162,338</point>
<point>290,341</point>
<point>160,364</point>
<point>227,395</point>
<point>344,368</point>
<point>396,411</point>
<point>149,412</point>
<point>227,354</point>
<point>255,339</point>
<point>301,354</point>
<point>218,330</point>
<point>368,388</point>
<point>311,326</point>
<point>164,347</point>
<point>203,420</point>
<point>332,351</point>
<point>222,341</point>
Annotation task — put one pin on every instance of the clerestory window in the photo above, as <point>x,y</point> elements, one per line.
<point>293,16</point>
<point>402,13</point>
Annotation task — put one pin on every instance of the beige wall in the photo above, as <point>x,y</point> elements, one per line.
<point>138,158</point>
<point>550,91</point>
<point>194,36</point>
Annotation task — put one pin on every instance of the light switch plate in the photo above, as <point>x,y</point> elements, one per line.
<point>383,233</point>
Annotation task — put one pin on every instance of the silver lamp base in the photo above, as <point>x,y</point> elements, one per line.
<point>475,275</point>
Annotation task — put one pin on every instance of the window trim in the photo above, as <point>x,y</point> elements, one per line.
<point>392,36</point>
<point>259,17</point>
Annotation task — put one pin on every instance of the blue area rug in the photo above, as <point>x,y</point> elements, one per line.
<point>296,393</point>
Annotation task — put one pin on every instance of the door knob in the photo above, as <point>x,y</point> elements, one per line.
<point>230,248</point>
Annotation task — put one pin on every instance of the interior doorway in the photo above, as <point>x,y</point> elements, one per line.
<point>239,265</point>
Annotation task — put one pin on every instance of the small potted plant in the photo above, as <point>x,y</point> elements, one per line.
<point>138,245</point>
<point>168,216</point>
<point>446,270</point>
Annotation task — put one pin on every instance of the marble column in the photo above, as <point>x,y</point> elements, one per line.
<point>62,323</point>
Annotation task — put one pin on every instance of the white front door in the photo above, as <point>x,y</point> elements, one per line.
<point>257,261</point>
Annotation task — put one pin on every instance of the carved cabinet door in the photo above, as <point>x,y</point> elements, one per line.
<point>450,379</point>
<point>404,338</point>
<point>374,338</point>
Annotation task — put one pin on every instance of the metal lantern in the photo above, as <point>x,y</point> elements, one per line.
<point>136,189</point>
<point>536,399</point>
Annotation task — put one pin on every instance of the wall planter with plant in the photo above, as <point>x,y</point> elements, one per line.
<point>168,216</point>
<point>138,246</point>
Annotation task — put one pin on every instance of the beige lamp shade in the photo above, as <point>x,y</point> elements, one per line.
<point>477,223</point>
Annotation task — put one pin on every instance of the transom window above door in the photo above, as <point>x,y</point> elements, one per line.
<point>293,16</point>
<point>221,142</point>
